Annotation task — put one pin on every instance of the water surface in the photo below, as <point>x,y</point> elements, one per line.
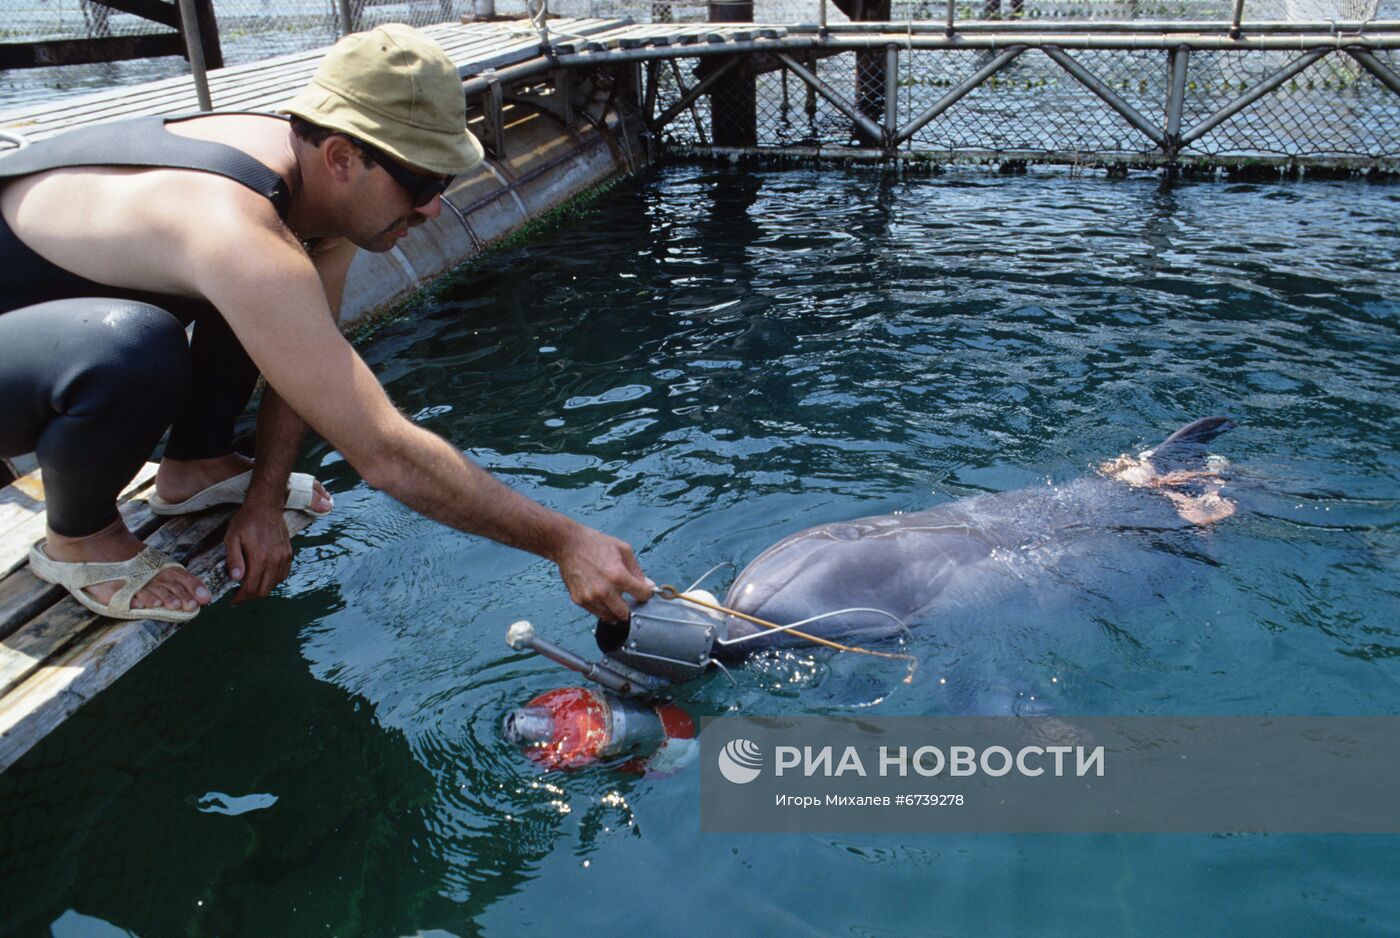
<point>709,360</point>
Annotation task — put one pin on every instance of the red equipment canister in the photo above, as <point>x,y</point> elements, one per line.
<point>572,727</point>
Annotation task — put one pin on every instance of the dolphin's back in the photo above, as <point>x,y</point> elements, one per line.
<point>893,563</point>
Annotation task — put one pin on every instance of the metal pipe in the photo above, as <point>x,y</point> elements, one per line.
<point>966,39</point>
<point>948,27</point>
<point>1176,93</point>
<point>823,89</point>
<point>508,77</point>
<point>1376,67</point>
<point>649,104</point>
<point>891,92</point>
<point>689,97</point>
<point>1235,19</point>
<point>1213,27</point>
<point>521,636</point>
<point>194,49</point>
<point>992,41</point>
<point>1249,97</point>
<point>957,93</point>
<point>694,115</point>
<point>821,16</point>
<point>347,17</point>
<point>1109,96</point>
<point>945,156</point>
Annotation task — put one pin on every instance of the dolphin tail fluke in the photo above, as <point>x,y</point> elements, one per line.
<point>1188,444</point>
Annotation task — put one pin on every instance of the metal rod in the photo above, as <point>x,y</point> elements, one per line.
<point>564,89</point>
<point>1235,18</point>
<point>1249,97</point>
<point>689,97</point>
<point>493,104</point>
<point>347,18</point>
<point>948,28</point>
<point>1176,94</point>
<point>1376,67</point>
<point>823,89</point>
<point>991,41</point>
<point>649,105</point>
<point>1109,96</point>
<point>596,673</point>
<point>957,93</point>
<point>695,115</point>
<point>1213,27</point>
<point>809,94</point>
<point>891,91</point>
<point>943,156</point>
<point>194,49</point>
<point>821,15</point>
<point>971,35</point>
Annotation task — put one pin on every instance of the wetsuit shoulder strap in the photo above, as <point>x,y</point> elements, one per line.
<point>145,141</point>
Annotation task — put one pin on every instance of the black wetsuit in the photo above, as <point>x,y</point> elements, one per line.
<point>91,375</point>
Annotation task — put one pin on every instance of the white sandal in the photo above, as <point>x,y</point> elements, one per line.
<point>233,490</point>
<point>135,574</point>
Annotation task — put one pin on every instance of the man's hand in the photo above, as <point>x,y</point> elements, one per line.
<point>598,569</point>
<point>259,550</point>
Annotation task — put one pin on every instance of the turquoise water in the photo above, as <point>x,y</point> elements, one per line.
<point>707,361</point>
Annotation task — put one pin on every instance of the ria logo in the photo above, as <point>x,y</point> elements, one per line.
<point>741,761</point>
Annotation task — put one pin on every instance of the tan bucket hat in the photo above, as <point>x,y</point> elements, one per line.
<point>396,89</point>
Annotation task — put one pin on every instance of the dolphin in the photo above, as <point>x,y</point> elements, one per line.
<point>1022,550</point>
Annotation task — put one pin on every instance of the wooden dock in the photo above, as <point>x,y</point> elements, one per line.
<point>474,48</point>
<point>477,49</point>
<point>54,654</point>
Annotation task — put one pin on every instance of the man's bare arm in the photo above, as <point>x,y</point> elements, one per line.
<point>271,297</point>
<point>257,546</point>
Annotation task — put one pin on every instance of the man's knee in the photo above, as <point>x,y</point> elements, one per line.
<point>127,356</point>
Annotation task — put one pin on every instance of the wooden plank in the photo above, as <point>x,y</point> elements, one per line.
<point>166,14</point>
<point>88,51</point>
<point>22,514</point>
<point>23,595</point>
<point>469,47</point>
<point>102,653</point>
<point>263,91</point>
<point>256,88</point>
<point>53,630</point>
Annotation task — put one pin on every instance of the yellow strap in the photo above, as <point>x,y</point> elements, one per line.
<point>670,592</point>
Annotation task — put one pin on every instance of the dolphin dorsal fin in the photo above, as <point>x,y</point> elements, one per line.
<point>1188,445</point>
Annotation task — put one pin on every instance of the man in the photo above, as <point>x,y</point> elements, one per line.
<point>115,237</point>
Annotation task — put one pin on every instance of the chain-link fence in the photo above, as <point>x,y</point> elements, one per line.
<point>1032,108</point>
<point>1334,108</point>
<point>900,11</point>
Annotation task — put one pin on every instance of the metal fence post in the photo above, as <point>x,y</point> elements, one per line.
<point>347,18</point>
<point>1235,19</point>
<point>949,31</point>
<point>1176,97</point>
<point>194,48</point>
<point>891,94</point>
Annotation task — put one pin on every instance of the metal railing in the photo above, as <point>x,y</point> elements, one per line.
<point>1038,80</point>
<point>1297,93</point>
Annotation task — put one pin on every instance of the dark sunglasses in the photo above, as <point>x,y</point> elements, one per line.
<point>421,189</point>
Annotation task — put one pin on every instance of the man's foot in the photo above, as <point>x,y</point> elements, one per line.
<point>174,588</point>
<point>180,479</point>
